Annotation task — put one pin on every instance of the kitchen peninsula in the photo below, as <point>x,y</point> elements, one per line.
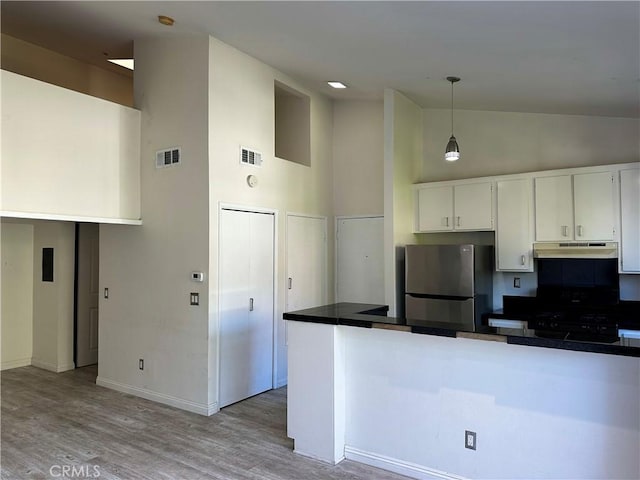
<point>402,396</point>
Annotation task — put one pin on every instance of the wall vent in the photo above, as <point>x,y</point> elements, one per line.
<point>250,157</point>
<point>168,157</point>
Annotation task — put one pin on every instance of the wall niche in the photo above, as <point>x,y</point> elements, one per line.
<point>292,124</point>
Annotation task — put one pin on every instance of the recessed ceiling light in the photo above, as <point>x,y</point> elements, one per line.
<point>123,62</point>
<point>337,84</point>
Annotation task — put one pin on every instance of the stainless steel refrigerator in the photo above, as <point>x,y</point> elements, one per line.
<point>448,283</point>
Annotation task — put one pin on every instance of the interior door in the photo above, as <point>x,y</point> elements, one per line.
<point>246,304</point>
<point>360,260</point>
<point>88,250</point>
<point>306,262</point>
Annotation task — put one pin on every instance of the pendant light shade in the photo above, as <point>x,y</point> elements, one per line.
<point>452,152</point>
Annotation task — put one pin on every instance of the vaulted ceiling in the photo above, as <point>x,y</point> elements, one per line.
<point>574,57</point>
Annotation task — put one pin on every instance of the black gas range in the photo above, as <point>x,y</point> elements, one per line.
<point>576,299</point>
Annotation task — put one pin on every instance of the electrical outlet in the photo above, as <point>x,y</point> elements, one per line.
<point>195,298</point>
<point>469,440</point>
<point>516,282</point>
<point>141,364</point>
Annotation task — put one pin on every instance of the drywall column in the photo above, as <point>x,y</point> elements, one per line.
<point>402,158</point>
<point>17,294</point>
<point>316,417</point>
<point>147,268</point>
<point>53,301</point>
<point>358,158</point>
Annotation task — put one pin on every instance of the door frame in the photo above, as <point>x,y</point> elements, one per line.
<point>335,238</point>
<point>274,356</point>
<point>76,285</point>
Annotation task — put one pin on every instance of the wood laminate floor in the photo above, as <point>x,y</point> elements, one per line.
<point>50,421</point>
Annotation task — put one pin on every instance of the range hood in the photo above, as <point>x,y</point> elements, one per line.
<point>576,250</point>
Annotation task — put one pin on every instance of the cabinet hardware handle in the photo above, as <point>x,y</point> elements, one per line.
<point>565,231</point>
<point>580,230</point>
<point>290,283</point>
<point>457,221</point>
<point>447,221</point>
<point>522,259</point>
<point>251,304</point>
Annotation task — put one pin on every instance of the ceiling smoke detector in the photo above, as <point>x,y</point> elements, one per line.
<point>164,20</point>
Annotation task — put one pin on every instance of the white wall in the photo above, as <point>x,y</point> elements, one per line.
<point>241,99</point>
<point>402,154</point>
<point>147,268</point>
<point>16,254</point>
<point>53,301</point>
<point>358,158</point>
<point>497,143</point>
<point>65,153</point>
<point>538,412</point>
<point>34,61</point>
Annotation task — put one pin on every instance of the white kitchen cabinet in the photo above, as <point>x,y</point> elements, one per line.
<point>435,209</point>
<point>594,206</point>
<point>554,208</point>
<point>630,221</point>
<point>514,229</point>
<point>575,207</point>
<point>463,207</point>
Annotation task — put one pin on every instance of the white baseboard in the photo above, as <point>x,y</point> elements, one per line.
<point>199,408</point>
<point>398,466</point>
<point>315,457</point>
<point>52,367</point>
<point>280,383</point>
<point>18,362</point>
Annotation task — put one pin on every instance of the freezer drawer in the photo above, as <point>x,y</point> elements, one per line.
<point>439,310</point>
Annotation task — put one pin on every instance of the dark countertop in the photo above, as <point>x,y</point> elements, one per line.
<point>374,316</point>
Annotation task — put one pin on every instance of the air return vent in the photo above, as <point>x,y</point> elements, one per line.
<point>250,157</point>
<point>166,158</point>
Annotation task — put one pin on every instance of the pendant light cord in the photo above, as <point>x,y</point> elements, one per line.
<point>452,109</point>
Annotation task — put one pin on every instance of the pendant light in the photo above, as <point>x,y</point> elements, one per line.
<point>452,153</point>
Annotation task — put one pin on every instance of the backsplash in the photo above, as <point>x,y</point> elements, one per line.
<point>503,285</point>
<point>630,287</point>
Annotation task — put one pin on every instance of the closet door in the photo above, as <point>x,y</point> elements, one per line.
<point>246,304</point>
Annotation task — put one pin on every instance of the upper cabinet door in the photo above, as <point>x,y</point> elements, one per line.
<point>514,235</point>
<point>435,209</point>
<point>630,220</point>
<point>473,206</point>
<point>594,206</point>
<point>554,208</point>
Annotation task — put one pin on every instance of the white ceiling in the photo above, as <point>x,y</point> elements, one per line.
<point>575,57</point>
